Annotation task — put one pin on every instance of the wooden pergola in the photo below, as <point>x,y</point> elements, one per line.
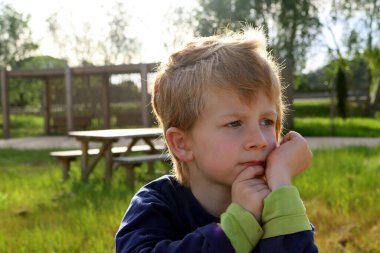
<point>68,74</point>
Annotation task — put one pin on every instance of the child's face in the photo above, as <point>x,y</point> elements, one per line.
<point>230,136</point>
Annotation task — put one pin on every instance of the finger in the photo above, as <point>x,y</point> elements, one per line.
<point>257,181</point>
<point>260,187</point>
<point>290,136</point>
<point>257,185</point>
<point>250,173</point>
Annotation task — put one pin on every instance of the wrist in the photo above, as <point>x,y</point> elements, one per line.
<point>278,177</point>
<point>256,213</point>
<point>279,183</point>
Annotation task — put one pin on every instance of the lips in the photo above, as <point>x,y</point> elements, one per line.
<point>254,163</point>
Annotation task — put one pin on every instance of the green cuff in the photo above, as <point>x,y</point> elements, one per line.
<point>241,228</point>
<point>284,213</point>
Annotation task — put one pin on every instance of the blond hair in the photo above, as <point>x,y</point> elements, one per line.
<point>234,61</point>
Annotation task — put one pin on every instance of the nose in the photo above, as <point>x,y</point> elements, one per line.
<point>256,139</point>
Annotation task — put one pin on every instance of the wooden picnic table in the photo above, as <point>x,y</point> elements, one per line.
<point>107,138</point>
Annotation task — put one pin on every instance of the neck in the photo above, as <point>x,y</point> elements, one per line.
<point>214,198</point>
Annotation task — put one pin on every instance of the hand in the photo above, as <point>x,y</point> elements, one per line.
<point>288,160</point>
<point>249,190</point>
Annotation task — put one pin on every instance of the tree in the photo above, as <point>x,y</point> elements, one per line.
<point>364,18</point>
<point>27,91</point>
<point>341,92</point>
<point>78,45</point>
<point>120,47</point>
<point>15,37</point>
<point>179,27</point>
<point>117,46</point>
<point>291,27</point>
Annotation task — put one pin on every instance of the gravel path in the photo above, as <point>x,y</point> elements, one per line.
<point>65,142</point>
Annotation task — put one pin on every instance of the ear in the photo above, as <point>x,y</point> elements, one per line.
<point>177,142</point>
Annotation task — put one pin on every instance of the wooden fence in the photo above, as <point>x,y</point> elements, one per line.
<point>68,75</point>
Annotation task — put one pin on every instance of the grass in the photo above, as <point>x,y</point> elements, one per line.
<point>341,193</point>
<point>321,108</point>
<point>312,118</point>
<point>353,127</point>
<point>24,125</point>
<point>38,213</point>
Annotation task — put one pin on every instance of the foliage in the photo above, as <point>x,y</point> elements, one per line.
<point>28,91</point>
<point>24,92</point>
<point>120,47</point>
<point>321,78</point>
<point>179,27</point>
<point>290,25</point>
<point>364,17</point>
<point>117,46</point>
<point>15,37</point>
<point>39,62</point>
<point>314,81</point>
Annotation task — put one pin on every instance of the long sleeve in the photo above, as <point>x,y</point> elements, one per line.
<point>165,218</point>
<point>154,230</point>
<point>285,224</point>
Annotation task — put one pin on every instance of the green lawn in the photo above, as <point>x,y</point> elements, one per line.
<point>39,213</point>
<point>353,127</point>
<point>24,125</point>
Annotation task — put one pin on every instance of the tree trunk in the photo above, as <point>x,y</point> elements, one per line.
<point>288,81</point>
<point>368,99</point>
<point>375,103</point>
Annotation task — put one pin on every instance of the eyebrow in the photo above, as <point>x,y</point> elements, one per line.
<point>242,114</point>
<point>270,113</point>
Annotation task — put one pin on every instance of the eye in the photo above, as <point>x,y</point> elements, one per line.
<point>267,122</point>
<point>234,124</point>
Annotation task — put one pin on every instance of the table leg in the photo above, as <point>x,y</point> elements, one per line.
<point>108,162</point>
<point>152,151</point>
<point>84,161</point>
<point>151,145</point>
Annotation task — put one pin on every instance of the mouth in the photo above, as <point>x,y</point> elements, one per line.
<point>254,163</point>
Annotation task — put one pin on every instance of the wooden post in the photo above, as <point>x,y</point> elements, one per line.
<point>144,95</point>
<point>106,101</point>
<point>46,105</point>
<point>5,104</point>
<point>69,98</point>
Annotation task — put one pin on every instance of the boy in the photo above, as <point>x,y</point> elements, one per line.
<point>219,103</point>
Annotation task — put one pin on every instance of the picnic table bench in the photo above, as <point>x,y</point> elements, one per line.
<point>67,156</point>
<point>107,138</point>
<point>130,162</point>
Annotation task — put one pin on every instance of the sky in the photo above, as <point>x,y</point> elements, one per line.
<point>148,15</point>
<point>147,24</point>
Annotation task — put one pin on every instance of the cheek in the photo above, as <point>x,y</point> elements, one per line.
<point>215,150</point>
<point>273,146</point>
<point>272,141</point>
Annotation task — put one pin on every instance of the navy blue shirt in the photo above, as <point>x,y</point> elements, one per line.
<point>164,216</point>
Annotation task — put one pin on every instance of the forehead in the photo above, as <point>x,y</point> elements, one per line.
<point>232,101</point>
